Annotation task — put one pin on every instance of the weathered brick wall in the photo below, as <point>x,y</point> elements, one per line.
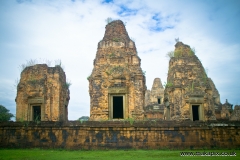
<point>120,135</point>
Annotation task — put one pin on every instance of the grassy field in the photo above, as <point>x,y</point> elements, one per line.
<point>40,154</point>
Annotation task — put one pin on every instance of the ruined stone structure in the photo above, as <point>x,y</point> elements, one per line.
<point>235,115</point>
<point>189,93</point>
<point>223,111</point>
<point>183,112</point>
<point>117,83</point>
<point>42,94</point>
<point>154,106</point>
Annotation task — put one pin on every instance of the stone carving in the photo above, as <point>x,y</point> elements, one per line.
<point>117,80</point>
<point>42,94</point>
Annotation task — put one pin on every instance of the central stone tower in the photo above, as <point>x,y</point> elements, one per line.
<point>117,83</point>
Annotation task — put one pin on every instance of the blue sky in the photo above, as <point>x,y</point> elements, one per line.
<point>70,30</point>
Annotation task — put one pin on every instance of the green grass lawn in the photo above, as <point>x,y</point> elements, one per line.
<point>37,154</point>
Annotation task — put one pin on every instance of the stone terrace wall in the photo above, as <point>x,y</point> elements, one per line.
<point>120,135</point>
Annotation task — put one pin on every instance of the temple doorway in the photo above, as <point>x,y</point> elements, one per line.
<point>117,107</point>
<point>36,113</point>
<point>195,112</point>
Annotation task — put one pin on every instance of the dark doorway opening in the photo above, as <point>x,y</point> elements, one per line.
<point>195,112</point>
<point>117,106</point>
<point>37,113</point>
<point>159,101</point>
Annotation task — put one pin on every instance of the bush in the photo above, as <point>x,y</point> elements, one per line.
<point>170,54</point>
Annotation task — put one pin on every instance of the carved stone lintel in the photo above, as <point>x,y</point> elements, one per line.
<point>35,100</point>
<point>195,100</point>
<point>118,90</point>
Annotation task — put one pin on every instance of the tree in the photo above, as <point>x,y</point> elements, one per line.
<point>4,114</point>
<point>83,118</point>
<point>170,54</point>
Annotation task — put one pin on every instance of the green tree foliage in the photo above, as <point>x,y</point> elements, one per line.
<point>83,118</point>
<point>170,54</point>
<point>4,114</point>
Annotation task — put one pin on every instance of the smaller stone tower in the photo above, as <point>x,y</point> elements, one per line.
<point>223,111</point>
<point>42,94</point>
<point>235,115</point>
<point>154,106</point>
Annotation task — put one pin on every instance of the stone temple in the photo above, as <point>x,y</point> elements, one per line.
<point>117,82</point>
<point>117,87</point>
<point>42,94</point>
<point>154,106</point>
